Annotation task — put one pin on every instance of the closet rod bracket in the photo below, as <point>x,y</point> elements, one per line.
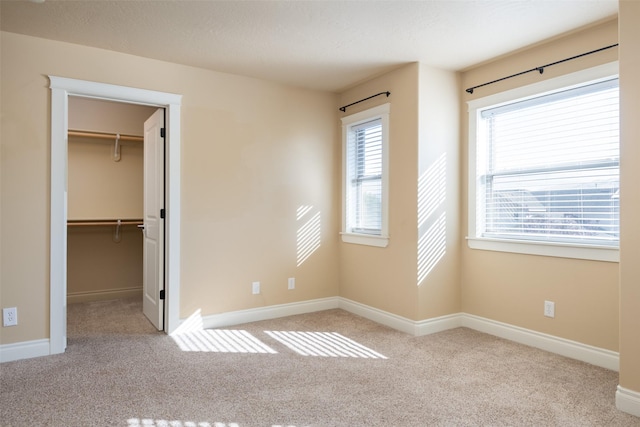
<point>116,149</point>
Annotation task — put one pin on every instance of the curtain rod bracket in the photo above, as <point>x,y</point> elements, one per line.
<point>344,109</point>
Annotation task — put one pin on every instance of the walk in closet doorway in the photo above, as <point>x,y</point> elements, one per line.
<point>105,200</point>
<point>168,269</point>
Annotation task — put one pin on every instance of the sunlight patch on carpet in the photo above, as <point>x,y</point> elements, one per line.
<point>148,422</point>
<point>221,341</point>
<point>323,344</point>
<point>192,323</point>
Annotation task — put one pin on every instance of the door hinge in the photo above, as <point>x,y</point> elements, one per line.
<point>162,213</point>
<point>162,132</point>
<point>162,294</point>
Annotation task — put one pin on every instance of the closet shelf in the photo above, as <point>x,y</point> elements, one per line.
<point>104,135</point>
<point>93,222</point>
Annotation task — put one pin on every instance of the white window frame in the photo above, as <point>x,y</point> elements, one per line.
<point>553,249</point>
<point>350,236</point>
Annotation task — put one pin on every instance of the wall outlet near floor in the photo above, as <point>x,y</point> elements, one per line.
<point>550,309</point>
<point>10,316</point>
<point>291,283</point>
<point>255,288</point>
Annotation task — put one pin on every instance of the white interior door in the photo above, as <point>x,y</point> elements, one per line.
<point>153,248</point>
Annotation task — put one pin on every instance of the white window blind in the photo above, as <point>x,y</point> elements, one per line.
<point>548,167</point>
<point>364,178</point>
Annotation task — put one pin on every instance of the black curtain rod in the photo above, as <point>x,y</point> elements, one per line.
<point>541,68</point>
<point>343,109</point>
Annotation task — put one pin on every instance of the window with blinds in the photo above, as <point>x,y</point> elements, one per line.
<point>365,177</point>
<point>364,169</point>
<point>547,168</point>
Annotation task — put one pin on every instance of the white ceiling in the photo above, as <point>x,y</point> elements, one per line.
<point>326,45</point>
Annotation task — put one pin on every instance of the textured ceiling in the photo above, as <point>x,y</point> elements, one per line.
<point>327,45</point>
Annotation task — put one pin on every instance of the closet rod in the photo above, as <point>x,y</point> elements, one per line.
<point>105,222</point>
<point>104,135</point>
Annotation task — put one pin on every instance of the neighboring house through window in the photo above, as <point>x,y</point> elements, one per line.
<point>365,177</point>
<point>544,168</point>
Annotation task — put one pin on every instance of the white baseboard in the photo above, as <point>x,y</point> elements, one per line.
<point>24,350</point>
<point>628,401</point>
<point>594,355</point>
<point>438,324</point>
<point>379,316</point>
<point>75,297</point>
<point>394,321</point>
<point>266,313</point>
<point>416,328</point>
<point>572,349</point>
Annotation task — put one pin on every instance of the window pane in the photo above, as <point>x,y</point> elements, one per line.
<point>561,205</point>
<point>365,177</point>
<point>369,207</point>
<point>552,167</point>
<point>369,149</point>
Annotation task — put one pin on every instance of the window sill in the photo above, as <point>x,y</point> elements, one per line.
<point>365,239</point>
<point>561,250</point>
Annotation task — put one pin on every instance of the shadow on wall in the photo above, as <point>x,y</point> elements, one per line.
<point>432,230</point>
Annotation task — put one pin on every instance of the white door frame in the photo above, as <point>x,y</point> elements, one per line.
<point>61,89</point>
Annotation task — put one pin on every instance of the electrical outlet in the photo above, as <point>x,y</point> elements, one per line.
<point>10,316</point>
<point>291,284</point>
<point>550,309</point>
<point>256,288</point>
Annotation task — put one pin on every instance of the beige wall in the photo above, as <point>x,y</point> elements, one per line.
<point>512,288</point>
<point>99,267</point>
<point>253,152</point>
<point>630,201</point>
<point>99,187</point>
<point>423,136</point>
<point>106,116</point>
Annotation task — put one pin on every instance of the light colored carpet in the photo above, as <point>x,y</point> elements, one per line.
<point>343,371</point>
